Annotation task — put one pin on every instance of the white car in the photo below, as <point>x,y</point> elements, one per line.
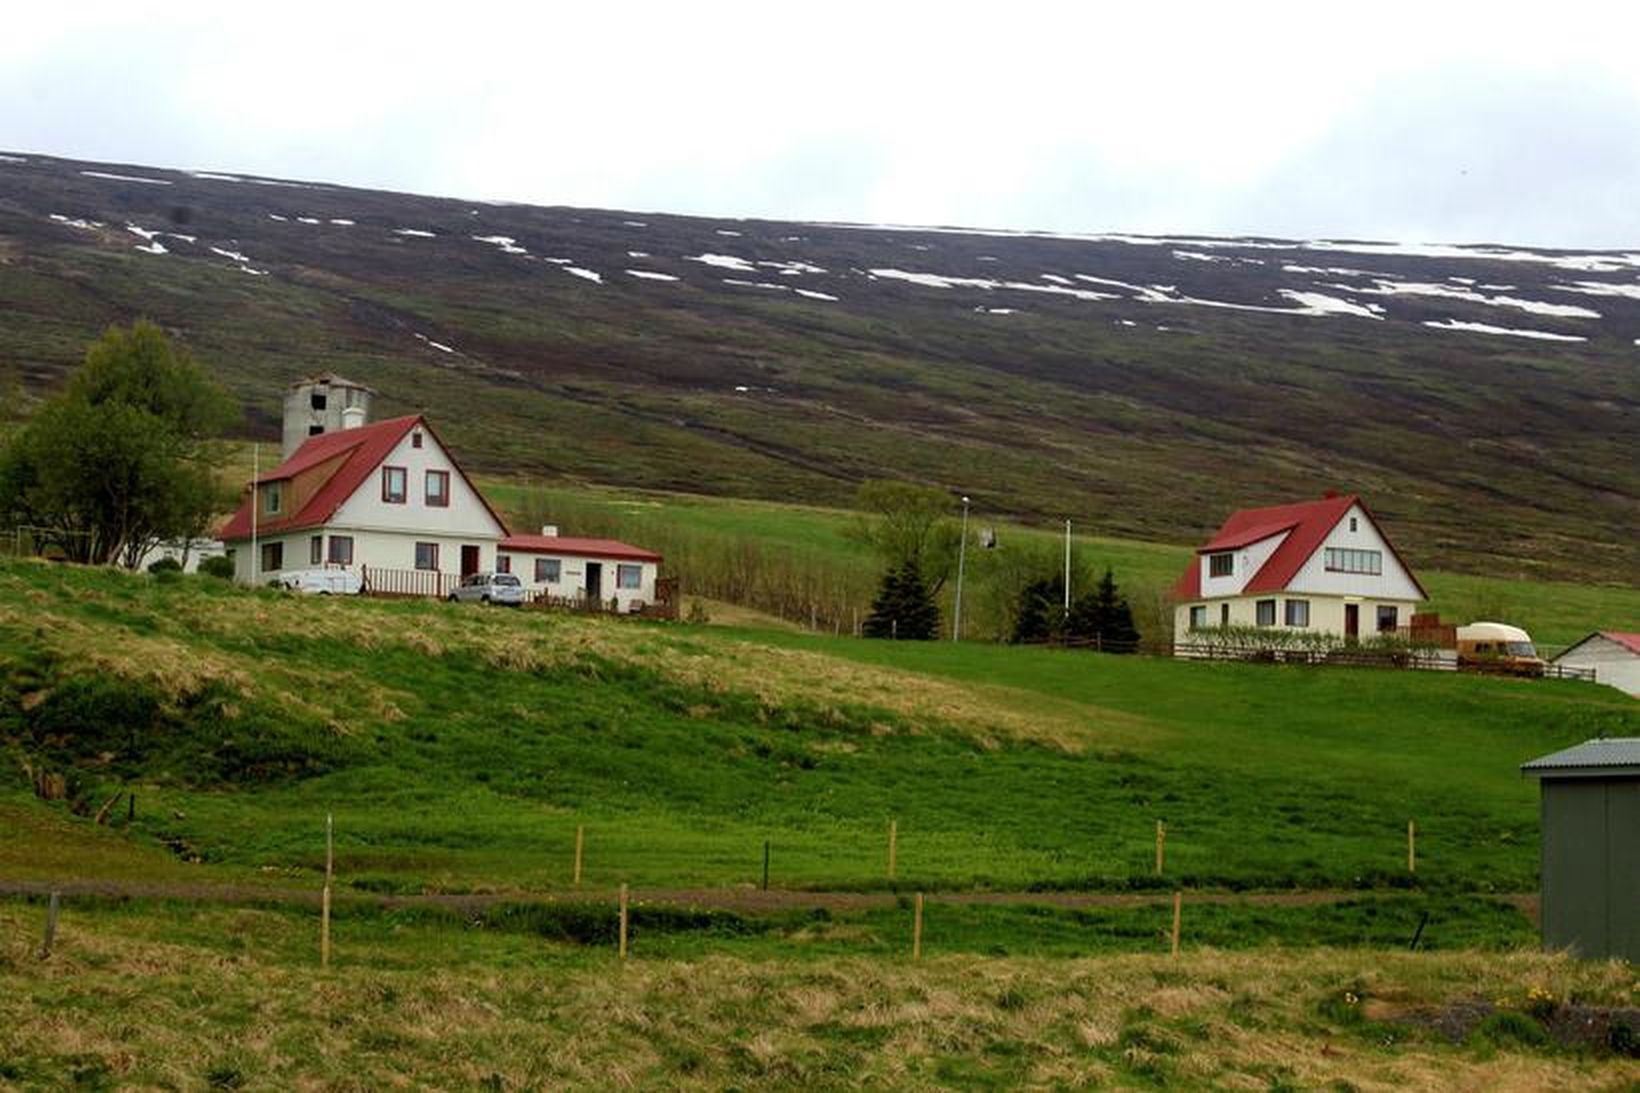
<point>502,588</point>
<point>322,582</point>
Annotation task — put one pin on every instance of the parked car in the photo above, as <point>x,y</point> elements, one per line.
<point>1498,647</point>
<point>502,588</point>
<point>322,582</point>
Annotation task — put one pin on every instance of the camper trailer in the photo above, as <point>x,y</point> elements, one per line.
<point>1497,647</point>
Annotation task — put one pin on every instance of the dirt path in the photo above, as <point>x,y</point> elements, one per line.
<point>745,900</point>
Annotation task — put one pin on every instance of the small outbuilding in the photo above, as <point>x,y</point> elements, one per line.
<point>1591,847</point>
<point>1612,655</point>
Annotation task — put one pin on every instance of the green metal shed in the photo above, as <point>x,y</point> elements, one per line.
<point>1591,847</point>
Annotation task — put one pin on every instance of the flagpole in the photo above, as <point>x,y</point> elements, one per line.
<point>1067,568</point>
<point>256,472</point>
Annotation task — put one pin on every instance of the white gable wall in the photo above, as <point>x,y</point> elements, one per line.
<point>1394,583</point>
<point>1614,664</point>
<point>1249,560</point>
<point>466,517</point>
<point>573,576</point>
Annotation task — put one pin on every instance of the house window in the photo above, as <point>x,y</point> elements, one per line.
<point>1198,617</point>
<point>1389,617</point>
<point>1347,560</point>
<point>273,498</point>
<point>1352,523</point>
<point>315,430</point>
<point>427,556</point>
<point>273,557</point>
<point>316,549</point>
<point>415,439</point>
<point>317,400</point>
<point>394,485</point>
<point>1298,612</point>
<point>1265,612</point>
<point>629,576</point>
<point>341,549</point>
<point>547,570</point>
<point>1221,565</point>
<point>438,489</point>
<point>503,563</point>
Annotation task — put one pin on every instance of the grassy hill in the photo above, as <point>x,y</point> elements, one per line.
<point>1141,386</point>
<point>459,748</point>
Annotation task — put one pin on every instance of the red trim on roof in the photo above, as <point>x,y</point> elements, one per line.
<point>365,448</point>
<point>1631,642</point>
<point>577,548</point>
<point>1308,524</point>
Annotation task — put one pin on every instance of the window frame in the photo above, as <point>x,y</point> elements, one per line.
<point>557,570</point>
<point>622,569</point>
<point>1394,617</point>
<point>1221,564</point>
<point>415,439</point>
<point>503,563</point>
<point>432,557</point>
<point>403,475</point>
<point>316,549</point>
<point>1198,617</point>
<point>273,498</point>
<point>1367,563</point>
<point>428,478</point>
<point>276,552</point>
<point>1289,614</point>
<point>332,554</point>
<point>1264,612</point>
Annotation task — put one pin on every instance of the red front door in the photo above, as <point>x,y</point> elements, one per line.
<point>469,560</point>
<point>1352,622</point>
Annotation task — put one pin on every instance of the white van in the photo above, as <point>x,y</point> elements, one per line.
<point>322,582</point>
<point>1499,647</point>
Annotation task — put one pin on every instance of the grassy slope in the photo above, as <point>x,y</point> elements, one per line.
<point>170,996</point>
<point>685,527</point>
<point>460,748</point>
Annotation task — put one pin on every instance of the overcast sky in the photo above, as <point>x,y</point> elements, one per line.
<point>1419,122</point>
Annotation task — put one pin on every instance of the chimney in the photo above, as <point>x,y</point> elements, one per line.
<point>549,531</point>
<point>352,417</point>
<point>1330,494</point>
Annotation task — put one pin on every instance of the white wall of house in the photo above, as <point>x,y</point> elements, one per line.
<point>1393,583</point>
<point>466,515</point>
<point>572,575</point>
<point>1614,664</point>
<point>371,548</point>
<point>1248,561</point>
<point>1326,613</point>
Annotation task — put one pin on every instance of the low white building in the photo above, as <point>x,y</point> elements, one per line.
<point>387,500</point>
<point>575,570</point>
<point>1322,566</point>
<point>1613,655</point>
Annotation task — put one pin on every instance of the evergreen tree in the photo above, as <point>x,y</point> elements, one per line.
<point>904,607</point>
<point>1105,618</point>
<point>1041,613</point>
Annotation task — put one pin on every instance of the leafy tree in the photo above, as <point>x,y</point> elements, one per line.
<point>123,456</point>
<point>904,607</point>
<point>908,524</point>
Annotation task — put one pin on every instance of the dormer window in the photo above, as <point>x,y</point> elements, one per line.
<point>272,498</point>
<point>395,485</point>
<point>318,400</point>
<point>1352,523</point>
<point>415,439</point>
<point>1221,565</point>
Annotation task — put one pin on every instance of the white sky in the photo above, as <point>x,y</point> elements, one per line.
<point>1426,121</point>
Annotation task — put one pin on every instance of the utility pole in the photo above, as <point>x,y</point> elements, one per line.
<point>962,557</point>
<point>256,472</point>
<point>1067,568</point>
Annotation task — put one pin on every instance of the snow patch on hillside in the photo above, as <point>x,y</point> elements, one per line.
<point>146,233</point>
<point>343,223</point>
<point>1382,287</point>
<point>418,233</point>
<point>650,275</point>
<point>585,274</point>
<point>127,178</point>
<point>1598,288</point>
<point>1487,328</point>
<point>813,295</point>
<point>76,222</point>
<point>507,243</point>
<point>153,248</point>
<point>224,252</point>
<point>12,159</point>
<point>724,261</point>
<point>440,346</point>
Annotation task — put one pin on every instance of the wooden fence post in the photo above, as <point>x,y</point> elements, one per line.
<point>623,920</point>
<point>1161,846</point>
<point>765,865</point>
<point>893,845</point>
<point>580,848</point>
<point>1178,911</point>
<point>1412,847</point>
<point>324,897</point>
<point>916,929</point>
<point>51,926</point>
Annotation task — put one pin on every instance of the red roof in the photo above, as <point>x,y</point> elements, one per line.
<point>1631,642</point>
<point>360,452</point>
<point>578,548</point>
<point>1307,524</point>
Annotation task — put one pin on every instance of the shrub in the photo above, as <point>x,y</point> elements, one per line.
<point>165,565</point>
<point>217,565</point>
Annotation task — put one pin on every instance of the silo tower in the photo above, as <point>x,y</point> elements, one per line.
<point>324,403</point>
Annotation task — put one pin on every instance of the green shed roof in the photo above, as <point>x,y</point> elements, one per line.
<point>1615,756</point>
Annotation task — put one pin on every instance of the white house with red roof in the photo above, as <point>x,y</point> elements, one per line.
<point>388,501</point>
<point>1323,566</point>
<point>1613,656</point>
